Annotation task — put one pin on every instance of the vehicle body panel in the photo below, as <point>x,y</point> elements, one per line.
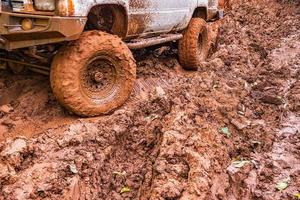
<point>82,7</point>
<point>51,29</point>
<point>152,16</point>
<point>143,18</point>
<point>147,16</point>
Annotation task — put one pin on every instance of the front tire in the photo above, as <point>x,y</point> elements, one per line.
<point>93,75</point>
<point>194,47</point>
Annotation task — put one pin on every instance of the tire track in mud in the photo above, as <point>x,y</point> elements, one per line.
<point>284,155</point>
<point>28,120</point>
<point>127,142</point>
<point>165,143</point>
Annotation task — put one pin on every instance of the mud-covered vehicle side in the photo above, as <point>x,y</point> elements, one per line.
<point>95,73</point>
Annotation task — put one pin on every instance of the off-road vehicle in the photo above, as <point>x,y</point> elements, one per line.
<point>87,44</point>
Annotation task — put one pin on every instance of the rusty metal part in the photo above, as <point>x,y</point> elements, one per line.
<point>16,68</point>
<point>47,73</point>
<point>26,64</point>
<point>66,7</point>
<point>32,67</point>
<point>47,30</point>
<point>32,52</point>
<point>142,43</point>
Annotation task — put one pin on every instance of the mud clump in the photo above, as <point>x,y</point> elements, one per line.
<point>228,131</point>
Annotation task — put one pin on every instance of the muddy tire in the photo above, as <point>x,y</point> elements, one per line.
<point>194,46</point>
<point>93,75</point>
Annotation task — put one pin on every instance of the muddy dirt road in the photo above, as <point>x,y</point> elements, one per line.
<point>229,131</point>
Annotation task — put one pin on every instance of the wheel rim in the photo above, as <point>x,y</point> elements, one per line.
<point>99,79</point>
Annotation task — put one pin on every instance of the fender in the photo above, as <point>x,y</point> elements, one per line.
<point>211,7</point>
<point>81,8</point>
<point>202,3</point>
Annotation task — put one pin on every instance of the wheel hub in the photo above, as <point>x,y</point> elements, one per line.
<point>98,77</point>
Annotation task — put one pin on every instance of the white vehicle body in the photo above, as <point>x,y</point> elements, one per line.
<point>55,21</point>
<point>157,16</point>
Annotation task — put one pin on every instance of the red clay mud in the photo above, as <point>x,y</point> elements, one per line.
<point>229,131</point>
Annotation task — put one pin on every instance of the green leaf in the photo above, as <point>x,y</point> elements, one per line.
<point>297,196</point>
<point>225,131</point>
<point>125,189</point>
<point>282,185</point>
<point>240,163</point>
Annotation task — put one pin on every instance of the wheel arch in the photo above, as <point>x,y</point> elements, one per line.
<point>120,17</point>
<point>201,12</point>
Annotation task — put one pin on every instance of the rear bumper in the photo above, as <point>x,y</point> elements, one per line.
<point>46,30</point>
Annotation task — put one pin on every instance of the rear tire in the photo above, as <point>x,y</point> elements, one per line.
<point>194,47</point>
<point>93,75</point>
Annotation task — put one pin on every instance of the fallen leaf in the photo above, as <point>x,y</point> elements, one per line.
<point>125,189</point>
<point>120,173</point>
<point>297,196</point>
<point>282,185</point>
<point>241,112</point>
<point>255,163</point>
<point>225,131</point>
<point>160,92</point>
<point>256,142</point>
<point>73,169</point>
<point>240,163</point>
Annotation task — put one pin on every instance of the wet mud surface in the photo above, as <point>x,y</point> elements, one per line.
<point>228,131</point>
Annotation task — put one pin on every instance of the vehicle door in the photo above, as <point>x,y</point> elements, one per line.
<point>158,16</point>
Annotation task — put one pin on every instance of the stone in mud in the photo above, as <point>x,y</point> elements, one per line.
<point>240,125</point>
<point>258,122</point>
<point>8,123</point>
<point>270,99</point>
<point>258,48</point>
<point>160,92</point>
<point>231,170</point>
<point>6,109</point>
<point>74,135</point>
<point>16,146</point>
<point>3,171</point>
